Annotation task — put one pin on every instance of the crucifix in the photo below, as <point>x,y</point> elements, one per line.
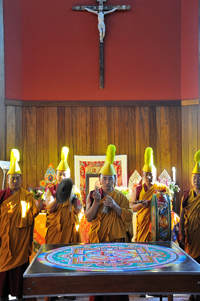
<point>101,11</point>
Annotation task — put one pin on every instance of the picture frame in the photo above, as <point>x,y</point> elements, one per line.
<point>91,165</point>
<point>91,180</point>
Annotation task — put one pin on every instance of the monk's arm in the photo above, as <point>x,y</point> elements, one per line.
<point>77,205</point>
<point>111,203</point>
<point>91,211</point>
<point>117,209</point>
<point>51,203</point>
<point>135,207</point>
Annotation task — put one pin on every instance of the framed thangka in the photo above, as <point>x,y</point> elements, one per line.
<point>88,165</point>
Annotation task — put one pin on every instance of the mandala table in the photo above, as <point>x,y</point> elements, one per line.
<point>119,268</point>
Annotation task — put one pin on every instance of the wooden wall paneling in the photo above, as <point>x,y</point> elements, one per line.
<point>83,138</point>
<point>117,127</point>
<point>102,133</point>
<point>142,135</point>
<point>54,154</point>
<point>158,134</point>
<point>18,134</point>
<point>24,145</point>
<point>68,138</point>
<point>46,141</point>
<point>137,146</point>
<point>123,132</point>
<point>73,138</point>
<point>68,126</point>
<point>31,141</point>
<point>131,160</point>
<point>163,140</point>
<point>192,139</point>
<point>18,129</point>
<point>123,145</point>
<point>176,154</point>
<point>95,136</point>
<point>10,131</point>
<point>111,125</point>
<point>61,129</point>
<point>40,172</point>
<point>153,131</point>
<point>184,149</point>
<point>88,130</point>
<point>175,137</point>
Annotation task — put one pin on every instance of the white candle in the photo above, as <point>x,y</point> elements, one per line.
<point>174,174</point>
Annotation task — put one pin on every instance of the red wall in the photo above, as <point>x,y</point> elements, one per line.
<point>52,52</point>
<point>13,49</point>
<point>189,50</point>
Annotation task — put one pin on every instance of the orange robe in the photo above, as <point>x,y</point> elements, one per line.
<point>192,225</point>
<point>15,229</point>
<point>61,226</point>
<point>111,227</point>
<point>143,217</point>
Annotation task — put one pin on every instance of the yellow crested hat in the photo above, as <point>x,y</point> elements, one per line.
<point>197,165</point>
<point>108,168</point>
<point>148,160</point>
<point>14,166</point>
<point>63,166</point>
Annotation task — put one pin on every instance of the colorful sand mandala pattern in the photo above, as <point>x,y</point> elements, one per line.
<point>107,257</point>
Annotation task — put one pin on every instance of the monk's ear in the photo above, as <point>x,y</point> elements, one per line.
<point>7,177</point>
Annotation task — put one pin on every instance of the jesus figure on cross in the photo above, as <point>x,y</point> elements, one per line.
<point>101,24</point>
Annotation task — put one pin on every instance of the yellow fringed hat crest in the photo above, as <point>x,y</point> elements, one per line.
<point>14,166</point>
<point>108,168</point>
<point>63,166</point>
<point>197,165</point>
<point>148,160</point>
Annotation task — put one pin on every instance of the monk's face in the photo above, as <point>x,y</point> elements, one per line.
<point>60,175</point>
<point>14,181</point>
<point>196,180</point>
<point>148,178</point>
<point>107,182</point>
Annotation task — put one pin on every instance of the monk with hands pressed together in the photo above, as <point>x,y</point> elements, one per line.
<point>109,212</point>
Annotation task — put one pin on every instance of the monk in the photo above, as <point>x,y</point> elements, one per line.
<point>116,224</point>
<point>141,198</point>
<point>17,213</point>
<point>62,220</point>
<point>190,217</point>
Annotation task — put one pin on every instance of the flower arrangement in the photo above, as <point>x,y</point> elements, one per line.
<point>174,187</point>
<point>38,194</point>
<point>125,191</point>
<point>171,185</point>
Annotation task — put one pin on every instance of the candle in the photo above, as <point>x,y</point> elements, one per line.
<point>174,174</point>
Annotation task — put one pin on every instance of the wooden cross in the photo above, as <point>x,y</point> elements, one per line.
<point>101,11</point>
